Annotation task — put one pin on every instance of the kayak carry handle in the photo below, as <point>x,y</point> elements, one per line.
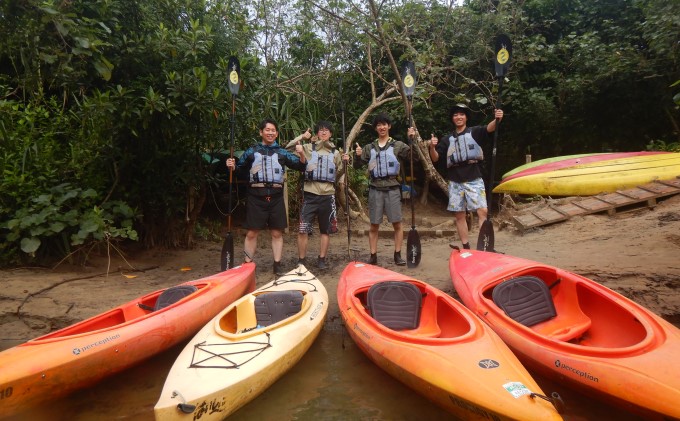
<point>184,406</point>
<point>554,399</point>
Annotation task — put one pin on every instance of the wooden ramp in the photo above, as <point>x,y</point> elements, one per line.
<point>606,202</point>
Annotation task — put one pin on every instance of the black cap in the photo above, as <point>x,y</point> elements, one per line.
<point>460,108</point>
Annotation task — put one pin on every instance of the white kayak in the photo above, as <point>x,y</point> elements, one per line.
<point>245,349</point>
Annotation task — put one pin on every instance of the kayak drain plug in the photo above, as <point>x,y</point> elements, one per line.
<point>184,406</point>
<point>554,399</point>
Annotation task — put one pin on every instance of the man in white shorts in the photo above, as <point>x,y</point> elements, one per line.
<point>463,153</point>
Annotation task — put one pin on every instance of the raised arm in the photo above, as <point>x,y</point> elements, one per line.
<point>491,127</point>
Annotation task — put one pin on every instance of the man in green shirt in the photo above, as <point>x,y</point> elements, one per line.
<point>383,156</point>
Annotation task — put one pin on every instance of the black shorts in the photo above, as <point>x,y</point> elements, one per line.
<point>321,206</point>
<point>266,212</point>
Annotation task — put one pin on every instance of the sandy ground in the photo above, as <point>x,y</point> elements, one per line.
<point>636,253</point>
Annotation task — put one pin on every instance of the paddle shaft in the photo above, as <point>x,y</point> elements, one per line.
<point>410,123</point>
<point>234,80</point>
<point>231,155</point>
<point>489,194</point>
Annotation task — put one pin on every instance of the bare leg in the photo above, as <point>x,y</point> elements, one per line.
<point>461,226</point>
<point>277,244</point>
<point>323,247</point>
<point>250,244</point>
<point>398,236</point>
<point>373,238</point>
<point>482,214</point>
<point>302,240</point>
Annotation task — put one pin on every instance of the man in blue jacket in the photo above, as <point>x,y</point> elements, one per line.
<point>265,164</point>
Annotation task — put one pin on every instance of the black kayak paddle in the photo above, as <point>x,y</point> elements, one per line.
<point>413,248</point>
<point>227,255</point>
<point>503,49</point>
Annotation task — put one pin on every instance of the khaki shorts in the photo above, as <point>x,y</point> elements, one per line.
<point>384,202</point>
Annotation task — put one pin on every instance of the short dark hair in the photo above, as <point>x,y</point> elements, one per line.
<point>323,124</point>
<point>381,118</point>
<point>266,121</point>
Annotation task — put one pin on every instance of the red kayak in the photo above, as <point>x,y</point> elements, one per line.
<point>436,346</point>
<point>575,330</point>
<point>558,164</point>
<point>79,355</point>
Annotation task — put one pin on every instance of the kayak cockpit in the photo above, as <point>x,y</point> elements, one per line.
<point>584,314</point>
<point>433,315</point>
<point>127,313</point>
<point>262,311</point>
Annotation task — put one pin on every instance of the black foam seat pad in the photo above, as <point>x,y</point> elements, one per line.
<point>395,304</point>
<point>272,307</point>
<point>525,299</point>
<point>173,294</point>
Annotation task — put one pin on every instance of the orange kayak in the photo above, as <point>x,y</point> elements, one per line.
<point>575,330</point>
<point>437,347</point>
<point>79,355</point>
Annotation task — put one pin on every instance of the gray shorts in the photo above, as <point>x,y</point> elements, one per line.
<point>470,195</point>
<point>384,202</point>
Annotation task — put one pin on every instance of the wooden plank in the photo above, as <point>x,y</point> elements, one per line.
<point>593,204</point>
<point>635,193</point>
<point>673,183</point>
<point>524,222</point>
<point>560,211</point>
<point>615,199</point>
<point>657,188</point>
<point>549,215</point>
<point>539,218</point>
<point>571,209</point>
<point>609,202</point>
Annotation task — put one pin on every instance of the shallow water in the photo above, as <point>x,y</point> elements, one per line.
<point>333,381</point>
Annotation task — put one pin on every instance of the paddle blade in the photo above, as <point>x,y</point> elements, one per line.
<point>486,240</point>
<point>408,78</point>
<point>413,250</point>
<point>503,50</point>
<point>227,256</point>
<point>234,69</point>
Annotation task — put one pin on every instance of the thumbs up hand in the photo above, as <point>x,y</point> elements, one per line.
<point>307,134</point>
<point>358,150</point>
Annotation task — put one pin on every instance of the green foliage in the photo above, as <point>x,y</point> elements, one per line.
<point>52,224</point>
<point>124,97</point>
<point>660,145</point>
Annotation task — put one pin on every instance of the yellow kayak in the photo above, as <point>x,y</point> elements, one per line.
<point>595,178</point>
<point>244,349</point>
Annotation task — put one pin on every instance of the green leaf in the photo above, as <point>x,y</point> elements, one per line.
<point>89,226</point>
<point>30,245</point>
<point>104,68</point>
<point>57,227</point>
<point>49,10</point>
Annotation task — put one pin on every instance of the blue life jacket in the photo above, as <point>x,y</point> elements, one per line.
<point>463,148</point>
<point>383,163</point>
<point>321,167</point>
<point>266,168</point>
